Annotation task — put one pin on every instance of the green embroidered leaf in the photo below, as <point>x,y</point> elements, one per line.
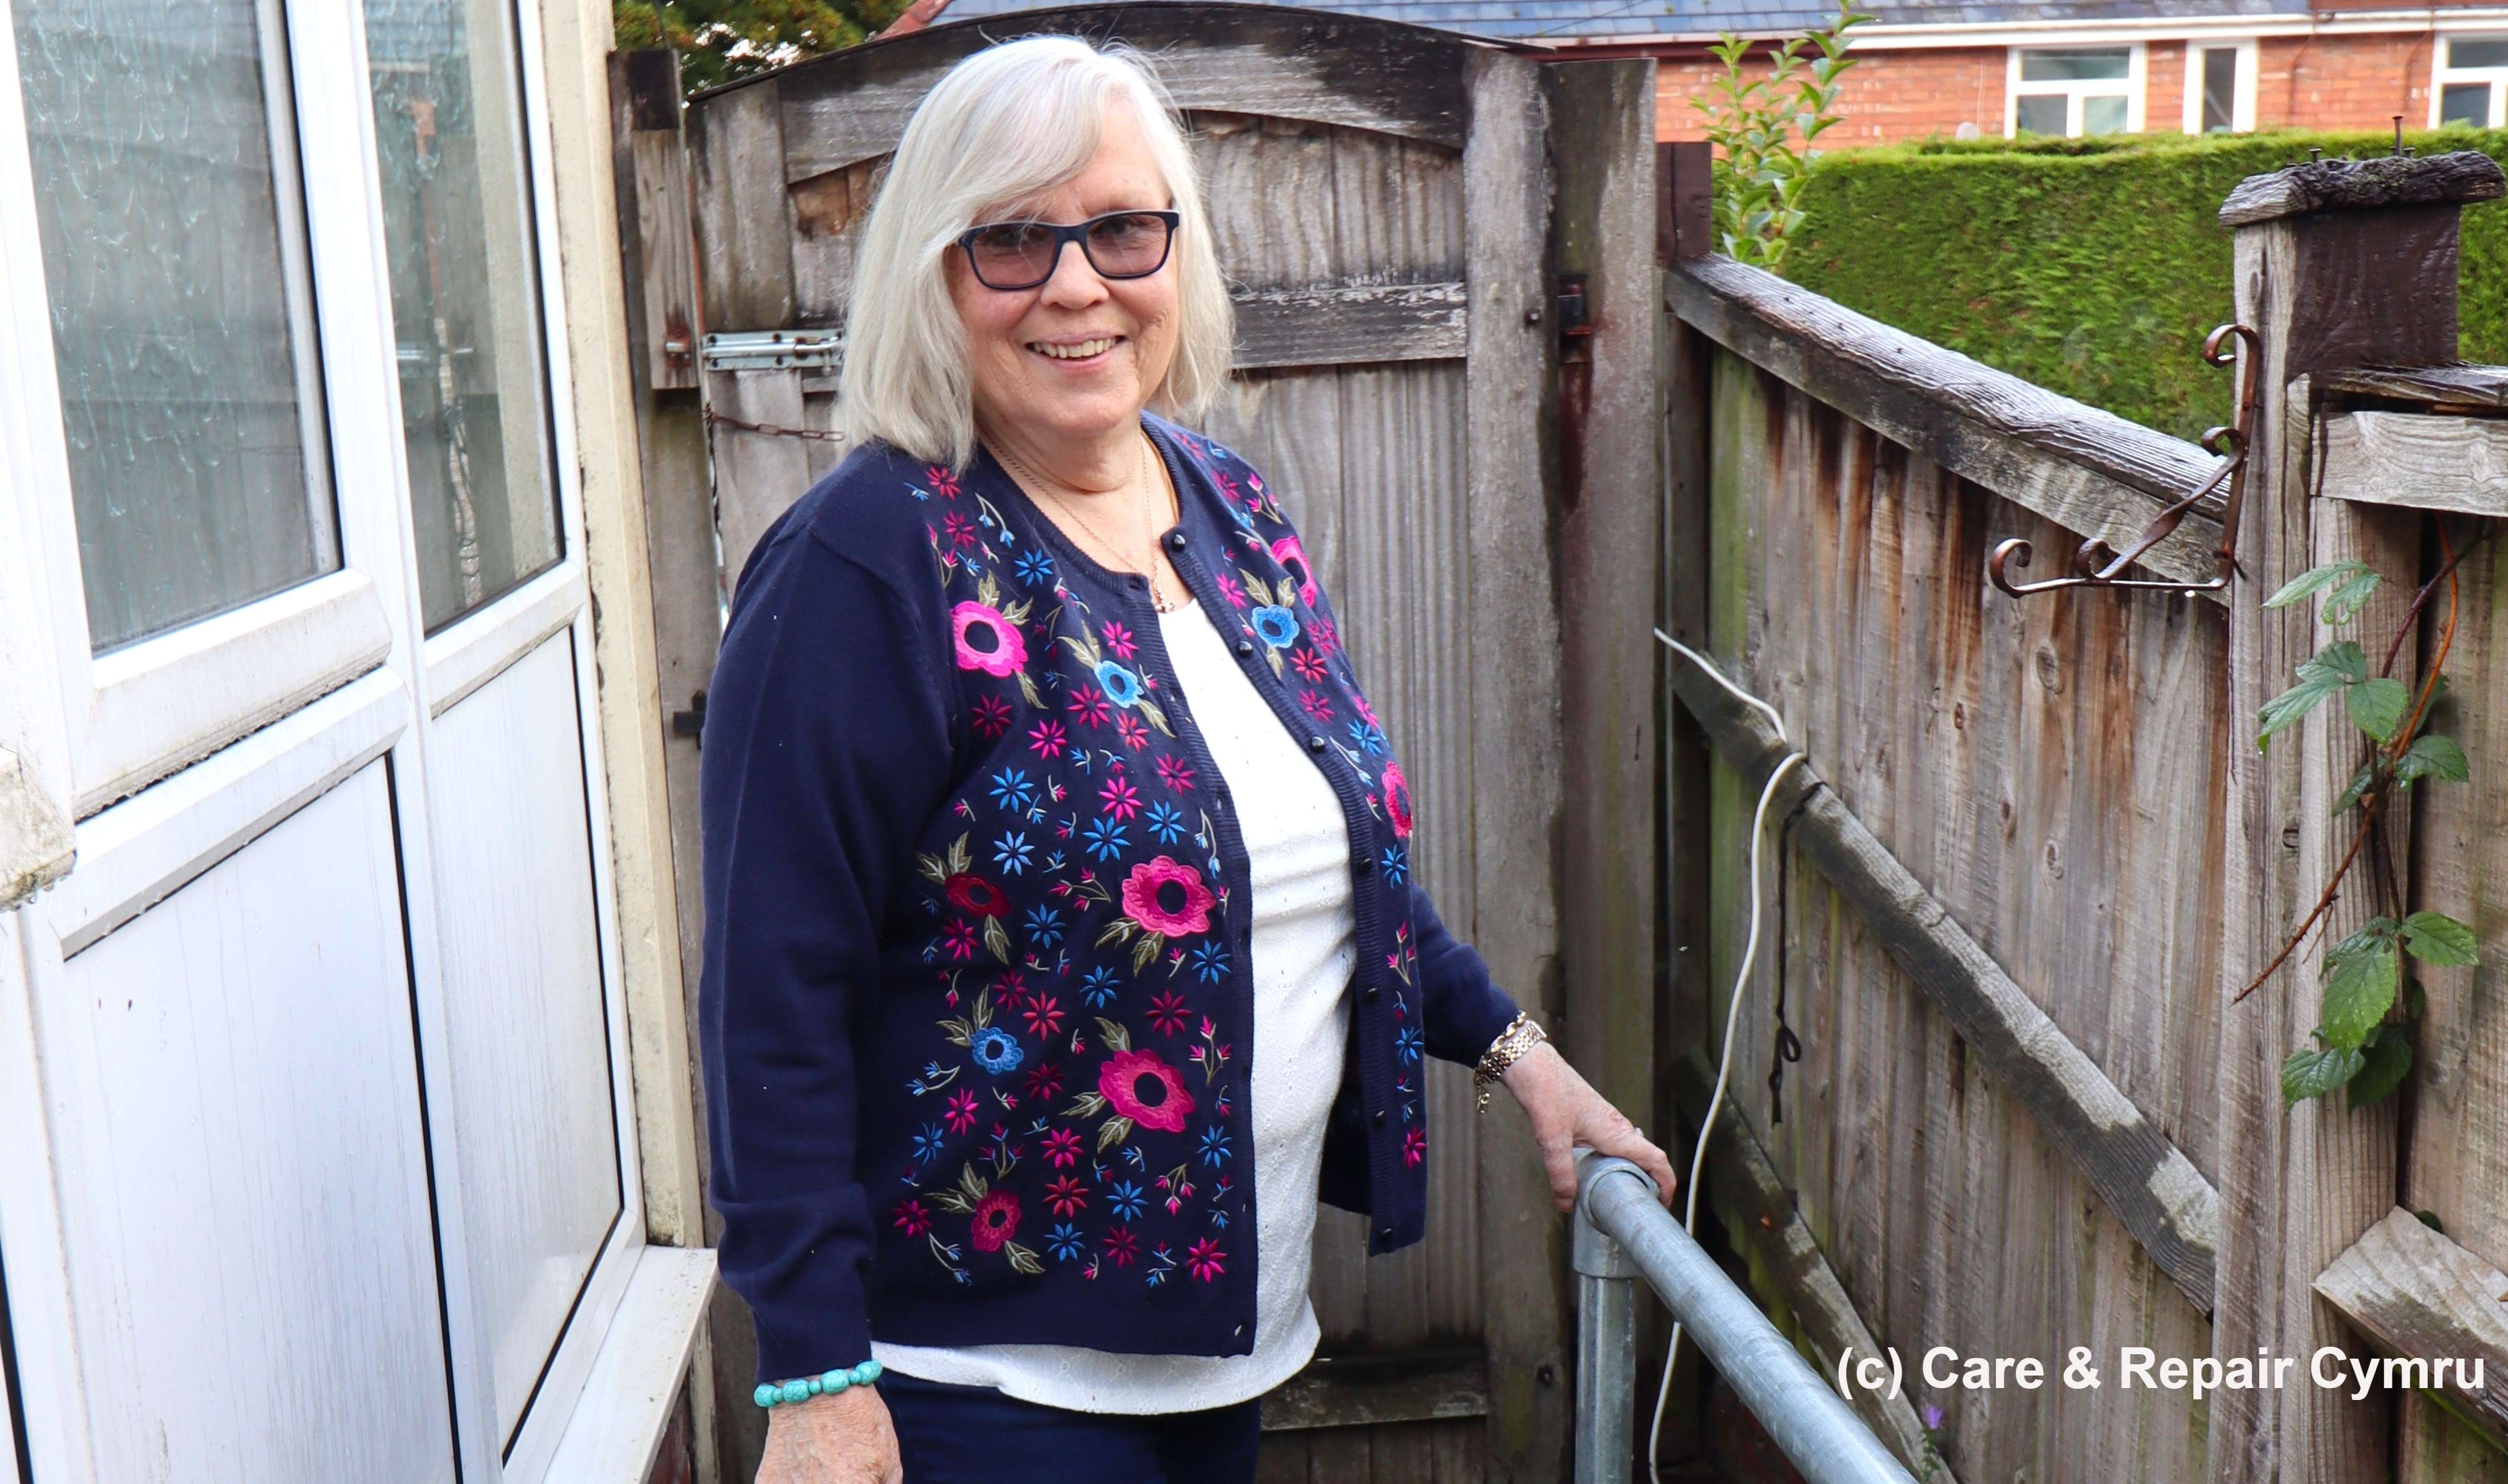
<point>1085,650</point>
<point>1257,589</point>
<point>1145,950</point>
<point>1149,711</point>
<point>2385,1061</point>
<point>961,859</point>
<point>998,938</point>
<point>1027,691</point>
<point>2315,580</point>
<point>2314,1073</point>
<point>2433,756</point>
<point>1017,615</point>
<point>2348,599</point>
<point>950,1200</point>
<point>1115,1037</point>
<point>1113,1132</point>
<point>2377,706</point>
<point>983,1011</point>
<point>2359,990</point>
<point>1022,1259</point>
<point>971,1183</point>
<point>1086,1105</point>
<point>2435,938</point>
<point>933,867</point>
<point>958,1031</point>
<point>1116,931</point>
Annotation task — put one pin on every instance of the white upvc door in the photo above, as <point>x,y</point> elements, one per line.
<point>321,1157</point>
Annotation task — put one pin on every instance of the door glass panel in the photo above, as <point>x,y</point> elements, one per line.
<point>2465,103</point>
<point>2103,116</point>
<point>2220,89</point>
<point>181,306</point>
<point>466,303</point>
<point>2041,115</point>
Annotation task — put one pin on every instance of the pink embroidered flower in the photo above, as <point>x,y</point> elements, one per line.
<point>1045,738</point>
<point>974,894</point>
<point>1292,557</point>
<point>1309,664</point>
<point>958,530</point>
<point>1087,705</point>
<point>1320,630</point>
<point>1044,1081</point>
<point>1415,1146</point>
<point>1123,800</point>
<point>958,939</point>
<point>1119,641</point>
<point>960,1114</point>
<point>1121,1247</point>
<point>987,641</point>
<point>911,1218</point>
<point>1066,1194</point>
<point>1317,705</point>
<point>1062,1149</point>
<point>1044,1018</point>
<point>1166,897</point>
<point>1010,989</point>
<point>1136,735</point>
<point>1205,1257</point>
<point>992,716</point>
<point>1397,800</point>
<point>1128,1077</point>
<point>1232,590</point>
<point>1366,713</point>
<point>944,483</point>
<point>1176,773</point>
<point>1167,1013</point>
<point>997,1217</point>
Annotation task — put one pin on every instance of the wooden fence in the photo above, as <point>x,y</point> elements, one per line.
<point>1996,1089</point>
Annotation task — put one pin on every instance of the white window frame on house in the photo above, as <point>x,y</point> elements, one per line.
<point>2242,96</point>
<point>2443,73</point>
<point>2130,87</point>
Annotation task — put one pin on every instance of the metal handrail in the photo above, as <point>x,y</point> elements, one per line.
<point>1622,1233</point>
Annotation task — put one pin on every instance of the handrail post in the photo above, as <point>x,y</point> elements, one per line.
<point>1607,1339</point>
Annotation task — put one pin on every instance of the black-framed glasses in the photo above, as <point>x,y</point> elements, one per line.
<point>1120,244</point>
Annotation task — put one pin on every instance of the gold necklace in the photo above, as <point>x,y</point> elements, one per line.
<point>1149,526</point>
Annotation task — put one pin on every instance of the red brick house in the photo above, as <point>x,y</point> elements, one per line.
<point>2092,66</point>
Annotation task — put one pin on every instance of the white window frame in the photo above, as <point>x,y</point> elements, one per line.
<point>2443,72</point>
<point>2242,93</point>
<point>2133,84</point>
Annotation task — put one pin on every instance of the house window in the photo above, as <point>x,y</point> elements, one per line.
<point>2220,87</point>
<point>2074,91</point>
<point>2472,81</point>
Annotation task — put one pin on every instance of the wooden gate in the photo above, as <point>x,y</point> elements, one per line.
<point>1429,240</point>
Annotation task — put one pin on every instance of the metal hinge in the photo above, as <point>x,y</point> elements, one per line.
<point>692,722</point>
<point>772,350</point>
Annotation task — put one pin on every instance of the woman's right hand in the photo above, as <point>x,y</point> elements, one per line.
<point>842,1439</point>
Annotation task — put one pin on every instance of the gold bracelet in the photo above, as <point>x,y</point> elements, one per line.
<point>1520,1036</point>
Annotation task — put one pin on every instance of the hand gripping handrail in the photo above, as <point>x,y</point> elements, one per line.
<point>1622,1232</point>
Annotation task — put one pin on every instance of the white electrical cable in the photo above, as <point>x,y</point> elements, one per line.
<point>1732,1014</point>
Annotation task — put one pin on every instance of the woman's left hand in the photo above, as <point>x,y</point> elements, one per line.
<point>1566,1111</point>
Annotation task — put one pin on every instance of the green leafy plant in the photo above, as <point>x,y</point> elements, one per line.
<point>1762,124</point>
<point>723,41</point>
<point>2363,1040</point>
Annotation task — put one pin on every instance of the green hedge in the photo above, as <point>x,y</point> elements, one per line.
<point>2092,267</point>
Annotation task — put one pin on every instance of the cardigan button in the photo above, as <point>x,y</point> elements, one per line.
<point>1370,994</point>
<point>1384,1234</point>
<point>1362,866</point>
<point>1175,540</point>
<point>1380,1118</point>
<point>1245,647</point>
<point>1315,744</point>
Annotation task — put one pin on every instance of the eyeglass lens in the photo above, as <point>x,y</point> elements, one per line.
<point>1021,254</point>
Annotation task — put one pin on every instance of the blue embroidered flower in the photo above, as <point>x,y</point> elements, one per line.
<point>1036,569</point>
<point>1123,686</point>
<point>1215,1146</point>
<point>1012,853</point>
<point>1405,1041</point>
<point>926,1143</point>
<point>1366,737</point>
<point>1210,962</point>
<point>1275,627</point>
<point>996,1050</point>
<point>1043,925</point>
<point>1397,865</point>
<point>1012,791</point>
<point>1065,1242</point>
<point>1105,839</point>
<point>1166,821</point>
<point>1098,988</point>
<point>1125,1200</point>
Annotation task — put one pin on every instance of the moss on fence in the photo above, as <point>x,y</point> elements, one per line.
<point>2092,267</point>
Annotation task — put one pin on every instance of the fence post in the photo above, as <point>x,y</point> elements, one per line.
<point>2338,264</point>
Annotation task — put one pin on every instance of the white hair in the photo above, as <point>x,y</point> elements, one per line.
<point>1005,127</point>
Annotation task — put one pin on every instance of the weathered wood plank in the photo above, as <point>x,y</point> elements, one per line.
<point>1514,725</point>
<point>757,477</point>
<point>2378,182</point>
<point>2449,385</point>
<point>1273,61</point>
<point>2088,470</point>
<point>1391,1386</point>
<point>2323,292</point>
<point>1756,1208</point>
<point>1336,324</point>
<point>744,228</point>
<point>2421,1297</point>
<point>2151,1186</point>
<point>653,168</point>
<point>2417,461</point>
<point>1610,502</point>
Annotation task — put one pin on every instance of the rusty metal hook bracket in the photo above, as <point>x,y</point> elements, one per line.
<point>2099,567</point>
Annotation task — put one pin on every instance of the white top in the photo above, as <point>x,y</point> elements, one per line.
<point>1297,846</point>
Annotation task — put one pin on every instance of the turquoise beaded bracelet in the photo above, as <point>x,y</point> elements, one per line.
<point>775,1393</point>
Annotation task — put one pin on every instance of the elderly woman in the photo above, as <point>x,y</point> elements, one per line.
<point>1060,951</point>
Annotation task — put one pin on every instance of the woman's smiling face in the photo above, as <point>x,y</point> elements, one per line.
<point>1025,347</point>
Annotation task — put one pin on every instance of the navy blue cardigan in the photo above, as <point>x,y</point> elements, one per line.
<point>976,1013</point>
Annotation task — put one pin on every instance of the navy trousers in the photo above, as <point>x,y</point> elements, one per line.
<point>973,1434</point>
